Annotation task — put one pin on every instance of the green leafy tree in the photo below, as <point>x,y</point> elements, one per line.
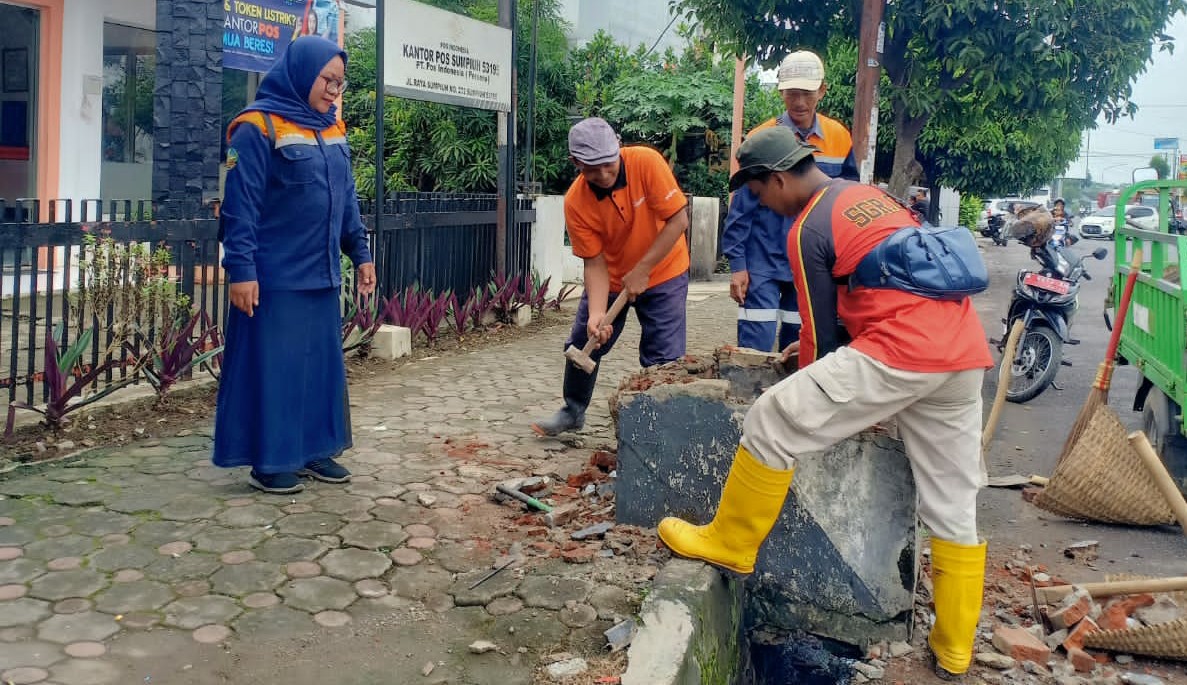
<point>1160,166</point>
<point>1028,55</point>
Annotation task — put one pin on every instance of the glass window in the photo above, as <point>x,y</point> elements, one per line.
<point>129,72</point>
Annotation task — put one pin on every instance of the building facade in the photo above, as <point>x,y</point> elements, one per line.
<point>631,22</point>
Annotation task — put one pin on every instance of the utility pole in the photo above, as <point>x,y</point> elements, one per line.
<point>529,168</point>
<point>869,70</point>
<point>380,191</point>
<point>506,150</point>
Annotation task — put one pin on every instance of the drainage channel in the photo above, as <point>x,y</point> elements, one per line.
<point>802,659</point>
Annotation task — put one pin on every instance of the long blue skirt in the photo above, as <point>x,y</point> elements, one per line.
<point>282,395</point>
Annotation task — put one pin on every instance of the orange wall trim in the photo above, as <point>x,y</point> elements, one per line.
<point>49,97</point>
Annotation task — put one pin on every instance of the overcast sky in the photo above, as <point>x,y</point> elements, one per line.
<point>1112,152</point>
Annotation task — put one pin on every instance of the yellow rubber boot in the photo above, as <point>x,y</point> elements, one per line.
<point>958,580</point>
<point>750,503</point>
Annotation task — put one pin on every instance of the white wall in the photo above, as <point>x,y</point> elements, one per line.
<point>548,241</point>
<point>82,112</point>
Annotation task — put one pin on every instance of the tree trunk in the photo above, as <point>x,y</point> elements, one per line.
<point>906,170</point>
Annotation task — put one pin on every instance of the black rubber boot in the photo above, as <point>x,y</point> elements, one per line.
<point>578,389</point>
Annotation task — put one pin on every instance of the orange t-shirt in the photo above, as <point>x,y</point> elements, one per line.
<point>623,225</point>
<point>840,226</point>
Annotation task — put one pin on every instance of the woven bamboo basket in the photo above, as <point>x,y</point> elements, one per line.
<point>1102,479</point>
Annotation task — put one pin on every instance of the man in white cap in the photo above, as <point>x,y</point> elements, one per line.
<point>626,219</point>
<point>755,238</point>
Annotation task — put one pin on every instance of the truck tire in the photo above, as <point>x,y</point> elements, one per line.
<point>1162,425</point>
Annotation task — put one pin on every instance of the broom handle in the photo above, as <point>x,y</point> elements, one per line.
<point>1105,375</point>
<point>1166,484</point>
<point>1003,385</point>
<point>1050,595</point>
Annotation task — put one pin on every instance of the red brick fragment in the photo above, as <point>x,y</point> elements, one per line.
<point>1021,645</point>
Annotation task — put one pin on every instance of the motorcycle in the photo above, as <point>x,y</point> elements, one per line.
<point>996,229</point>
<point>1045,301</point>
<point>1061,233</point>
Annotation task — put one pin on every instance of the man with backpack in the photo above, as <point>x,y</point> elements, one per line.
<point>918,358</point>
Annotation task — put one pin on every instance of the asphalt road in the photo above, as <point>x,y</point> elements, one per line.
<point>1030,436</point>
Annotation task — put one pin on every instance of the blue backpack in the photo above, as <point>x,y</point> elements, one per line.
<point>937,263</point>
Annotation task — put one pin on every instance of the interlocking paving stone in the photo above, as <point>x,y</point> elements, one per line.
<point>192,588</point>
<point>156,533</point>
<point>283,549</point>
<point>504,606</point>
<point>219,539</point>
<point>31,653</point>
<point>460,557</point>
<point>142,595</point>
<point>332,619</point>
<point>191,566</point>
<point>24,675</point>
<point>249,516</point>
<point>191,508</point>
<point>88,626</point>
<point>86,650</point>
<point>273,622</point>
<point>100,523</point>
<point>66,546</point>
<point>195,612</point>
<point>309,524</point>
<point>210,635</point>
<point>122,556</point>
<point>87,672</point>
<point>355,564</point>
<point>64,563</point>
<point>419,582</point>
<point>243,579</point>
<point>502,584</point>
<point>406,557</point>
<point>551,592</point>
<point>318,594</point>
<point>260,600</point>
<point>373,535</point>
<point>82,495</point>
<point>74,605</point>
<point>10,553</point>
<point>65,584</point>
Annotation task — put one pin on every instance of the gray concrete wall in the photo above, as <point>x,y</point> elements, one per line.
<point>841,559</point>
<point>703,237</point>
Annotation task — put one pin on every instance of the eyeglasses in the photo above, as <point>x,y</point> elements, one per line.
<point>334,86</point>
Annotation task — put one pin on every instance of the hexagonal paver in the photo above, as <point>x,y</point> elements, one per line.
<point>125,598</point>
<point>250,516</point>
<point>82,494</point>
<point>100,523</point>
<point>284,549</point>
<point>193,566</point>
<point>140,500</point>
<point>22,612</point>
<point>220,539</point>
<point>195,612</point>
<point>66,546</point>
<point>355,564</point>
<point>122,556</point>
<point>318,594</point>
<point>310,524</point>
<point>343,504</point>
<point>421,582</point>
<point>64,584</point>
<point>501,585</point>
<point>373,535</point>
<point>20,570</point>
<point>17,535</point>
<point>156,533</point>
<point>244,579</point>
<point>191,508</point>
<point>30,653</point>
<point>551,592</point>
<point>87,672</point>
<point>89,626</point>
<point>272,623</point>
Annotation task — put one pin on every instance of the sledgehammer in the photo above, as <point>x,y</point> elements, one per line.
<point>580,358</point>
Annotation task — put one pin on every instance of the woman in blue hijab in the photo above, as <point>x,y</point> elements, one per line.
<point>289,211</point>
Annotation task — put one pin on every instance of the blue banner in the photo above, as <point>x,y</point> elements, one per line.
<point>256,32</point>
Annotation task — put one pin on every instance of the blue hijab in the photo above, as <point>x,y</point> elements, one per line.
<point>286,87</point>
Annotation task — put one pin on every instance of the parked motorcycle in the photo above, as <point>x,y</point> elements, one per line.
<point>1045,301</point>
<point>996,229</point>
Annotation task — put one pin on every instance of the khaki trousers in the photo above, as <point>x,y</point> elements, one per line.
<point>845,392</point>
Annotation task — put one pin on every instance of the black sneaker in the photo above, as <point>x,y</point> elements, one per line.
<point>276,483</point>
<point>326,470</point>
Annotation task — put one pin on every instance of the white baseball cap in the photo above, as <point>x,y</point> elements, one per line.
<point>801,70</point>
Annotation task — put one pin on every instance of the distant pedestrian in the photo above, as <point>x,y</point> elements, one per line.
<point>290,209</point>
<point>626,219</point>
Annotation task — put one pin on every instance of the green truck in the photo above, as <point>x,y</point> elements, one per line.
<point>1154,337</point>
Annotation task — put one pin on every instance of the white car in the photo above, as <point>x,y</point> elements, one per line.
<point>999,205</point>
<point>1100,224</point>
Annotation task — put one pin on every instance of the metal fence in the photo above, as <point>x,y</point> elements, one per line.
<point>437,240</point>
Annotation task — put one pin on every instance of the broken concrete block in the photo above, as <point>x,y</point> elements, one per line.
<point>1164,610</point>
<point>522,317</point>
<point>749,372</point>
<point>392,342</point>
<point>841,560</point>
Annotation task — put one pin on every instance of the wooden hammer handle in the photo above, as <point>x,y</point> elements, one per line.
<point>615,309</point>
<point>1166,484</point>
<point>1051,595</point>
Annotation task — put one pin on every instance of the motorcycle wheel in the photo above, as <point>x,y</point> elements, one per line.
<point>1001,239</point>
<point>1035,364</point>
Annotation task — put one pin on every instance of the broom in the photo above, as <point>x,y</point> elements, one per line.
<point>1098,396</point>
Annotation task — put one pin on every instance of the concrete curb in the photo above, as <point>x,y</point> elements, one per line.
<point>691,629</point>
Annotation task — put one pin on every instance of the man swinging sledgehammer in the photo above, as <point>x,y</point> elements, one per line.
<point>626,218</point>
<point>914,358</point>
